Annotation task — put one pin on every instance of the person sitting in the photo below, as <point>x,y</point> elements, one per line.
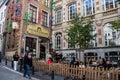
<point>108,65</point>
<point>49,61</point>
<point>100,62</point>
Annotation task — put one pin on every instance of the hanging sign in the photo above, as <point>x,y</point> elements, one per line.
<point>15,25</point>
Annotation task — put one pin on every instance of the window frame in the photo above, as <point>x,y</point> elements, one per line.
<point>44,18</point>
<point>86,11</point>
<point>33,18</point>
<point>72,10</point>
<point>58,40</point>
<point>104,7</point>
<point>58,16</point>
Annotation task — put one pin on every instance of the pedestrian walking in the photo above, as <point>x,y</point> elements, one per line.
<point>15,59</point>
<point>27,64</point>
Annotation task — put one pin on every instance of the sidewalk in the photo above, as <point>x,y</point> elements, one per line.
<point>10,74</point>
<point>40,75</point>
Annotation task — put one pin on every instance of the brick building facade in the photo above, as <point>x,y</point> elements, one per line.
<point>27,27</point>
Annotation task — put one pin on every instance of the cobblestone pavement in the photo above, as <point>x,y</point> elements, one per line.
<point>9,74</point>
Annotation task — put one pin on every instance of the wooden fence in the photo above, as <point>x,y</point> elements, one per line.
<point>76,72</point>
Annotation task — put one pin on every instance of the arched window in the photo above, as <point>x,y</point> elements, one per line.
<point>110,35</point>
<point>58,40</point>
<point>88,7</point>
<point>108,4</point>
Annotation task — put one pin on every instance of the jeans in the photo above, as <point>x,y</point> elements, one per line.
<point>27,70</point>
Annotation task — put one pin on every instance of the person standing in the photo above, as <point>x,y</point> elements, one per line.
<point>15,58</point>
<point>27,64</point>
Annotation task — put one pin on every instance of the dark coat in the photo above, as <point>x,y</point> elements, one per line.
<point>27,60</point>
<point>15,57</point>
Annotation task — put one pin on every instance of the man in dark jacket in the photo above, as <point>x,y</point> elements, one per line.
<point>27,64</point>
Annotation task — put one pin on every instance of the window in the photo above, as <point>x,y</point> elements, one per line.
<point>58,16</point>
<point>109,4</point>
<point>88,7</point>
<point>110,35</point>
<point>1,15</point>
<point>72,10</point>
<point>30,43</point>
<point>46,3</point>
<point>114,35</point>
<point>0,29</point>
<point>33,13</point>
<point>44,18</point>
<point>58,40</point>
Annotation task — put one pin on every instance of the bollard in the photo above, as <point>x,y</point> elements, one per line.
<point>0,60</point>
<point>33,70</point>
<point>21,64</point>
<point>83,77</point>
<point>0,57</point>
<point>12,63</point>
<point>5,61</point>
<point>52,75</point>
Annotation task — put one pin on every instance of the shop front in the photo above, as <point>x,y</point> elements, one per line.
<point>37,40</point>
